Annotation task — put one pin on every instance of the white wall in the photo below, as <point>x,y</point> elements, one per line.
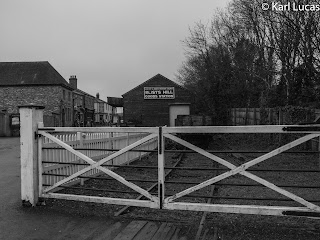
<point>176,110</point>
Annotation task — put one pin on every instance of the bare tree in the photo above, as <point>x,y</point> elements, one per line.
<point>249,57</point>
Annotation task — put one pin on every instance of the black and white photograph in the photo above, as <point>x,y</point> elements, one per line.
<point>160,120</point>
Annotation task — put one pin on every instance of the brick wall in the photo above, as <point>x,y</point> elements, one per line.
<point>89,102</point>
<point>78,99</point>
<point>152,112</point>
<point>49,96</point>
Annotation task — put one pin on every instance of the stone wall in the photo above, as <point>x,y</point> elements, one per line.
<point>49,96</point>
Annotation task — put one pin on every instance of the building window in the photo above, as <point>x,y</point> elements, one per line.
<point>68,114</point>
<point>64,94</point>
<point>69,96</point>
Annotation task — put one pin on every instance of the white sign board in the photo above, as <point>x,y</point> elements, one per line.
<point>159,93</point>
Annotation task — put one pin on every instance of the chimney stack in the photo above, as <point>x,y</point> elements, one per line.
<point>97,95</point>
<point>73,82</point>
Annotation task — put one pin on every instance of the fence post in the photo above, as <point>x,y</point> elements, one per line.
<point>255,116</point>
<point>246,117</point>
<point>280,123</point>
<point>40,166</point>
<point>30,116</point>
<point>270,116</point>
<point>80,139</point>
<point>319,152</point>
<point>161,175</point>
<point>127,144</point>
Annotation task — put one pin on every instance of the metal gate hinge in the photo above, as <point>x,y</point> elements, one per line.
<point>36,135</point>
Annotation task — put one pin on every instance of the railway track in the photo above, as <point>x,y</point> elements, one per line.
<point>190,169</point>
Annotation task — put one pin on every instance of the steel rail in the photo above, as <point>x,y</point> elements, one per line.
<point>186,196</point>
<point>150,188</point>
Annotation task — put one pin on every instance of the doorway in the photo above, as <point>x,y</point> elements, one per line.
<point>178,109</point>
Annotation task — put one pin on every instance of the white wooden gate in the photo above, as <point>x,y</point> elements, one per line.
<point>150,134</point>
<point>31,165</point>
<point>172,202</point>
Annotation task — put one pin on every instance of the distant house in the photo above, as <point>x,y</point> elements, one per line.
<point>103,111</point>
<point>23,83</point>
<point>107,112</point>
<point>83,105</point>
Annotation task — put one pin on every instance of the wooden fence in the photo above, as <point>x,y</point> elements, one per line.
<point>270,116</point>
<point>273,116</point>
<point>253,116</point>
<point>51,171</point>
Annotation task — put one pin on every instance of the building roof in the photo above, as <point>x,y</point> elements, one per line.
<point>115,101</point>
<point>30,73</point>
<point>154,78</point>
<point>98,100</point>
<point>82,92</point>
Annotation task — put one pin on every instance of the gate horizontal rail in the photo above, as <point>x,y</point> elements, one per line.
<point>191,168</point>
<point>245,129</point>
<point>182,182</point>
<point>187,196</point>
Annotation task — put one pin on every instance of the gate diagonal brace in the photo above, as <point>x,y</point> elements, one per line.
<point>241,170</point>
<point>94,164</point>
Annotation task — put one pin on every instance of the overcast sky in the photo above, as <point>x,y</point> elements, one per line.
<point>110,45</point>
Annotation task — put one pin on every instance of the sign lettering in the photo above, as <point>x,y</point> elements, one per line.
<point>159,93</point>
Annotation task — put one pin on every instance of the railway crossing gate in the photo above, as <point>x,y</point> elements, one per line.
<point>53,157</point>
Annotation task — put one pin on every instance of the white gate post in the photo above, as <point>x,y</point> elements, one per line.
<point>161,173</point>
<point>30,115</point>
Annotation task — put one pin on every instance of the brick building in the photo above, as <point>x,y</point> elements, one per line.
<point>156,102</point>
<point>83,105</point>
<point>23,83</point>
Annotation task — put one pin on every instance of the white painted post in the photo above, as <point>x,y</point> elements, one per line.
<point>127,153</point>
<point>40,167</point>
<point>30,116</point>
<point>111,146</point>
<point>80,139</point>
<point>161,162</point>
